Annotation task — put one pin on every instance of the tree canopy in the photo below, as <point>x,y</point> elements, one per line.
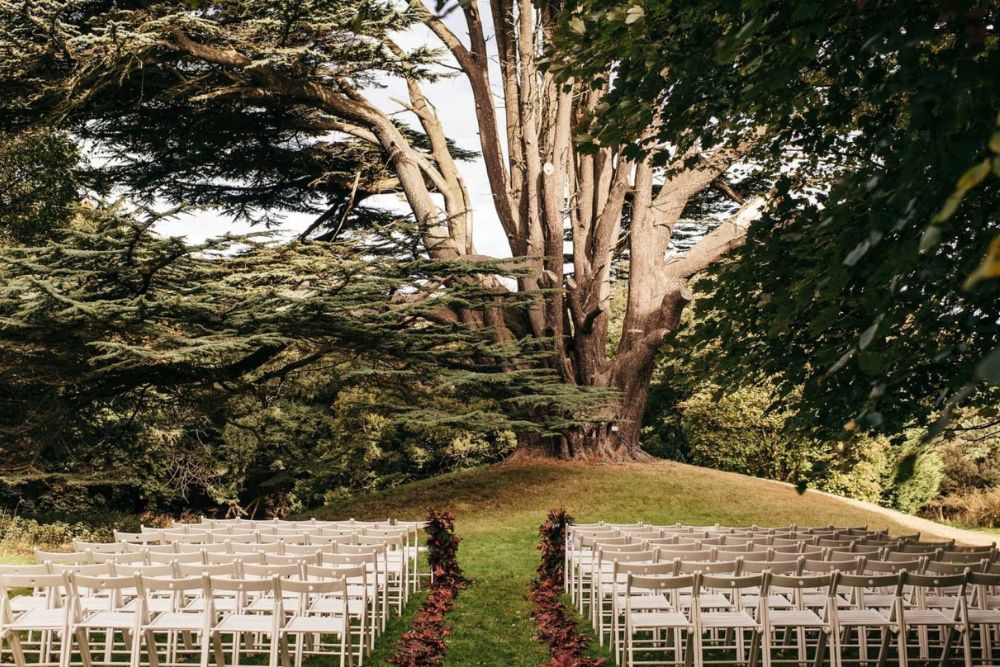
<point>880,116</point>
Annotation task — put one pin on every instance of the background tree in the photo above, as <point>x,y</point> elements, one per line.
<point>275,112</point>
<point>852,292</point>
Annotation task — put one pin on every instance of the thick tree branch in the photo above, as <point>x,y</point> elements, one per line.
<point>724,238</point>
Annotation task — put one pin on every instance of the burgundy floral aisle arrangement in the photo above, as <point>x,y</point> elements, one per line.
<point>557,627</point>
<point>423,643</point>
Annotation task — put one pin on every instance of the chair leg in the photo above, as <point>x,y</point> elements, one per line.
<point>84,643</point>
<point>820,656</point>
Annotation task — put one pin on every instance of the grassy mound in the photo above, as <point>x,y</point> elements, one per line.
<point>498,511</point>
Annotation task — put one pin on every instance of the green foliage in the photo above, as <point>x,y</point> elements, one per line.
<point>37,184</point>
<point>871,114</point>
<point>917,478</point>
<point>243,372</point>
<point>55,531</point>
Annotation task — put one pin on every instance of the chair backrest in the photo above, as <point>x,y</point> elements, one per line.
<point>664,583</point>
<point>354,573</point>
<point>99,547</point>
<point>938,567</point>
<point>971,557</point>
<point>130,557</point>
<point>179,589</point>
<point>620,548</point>
<point>314,558</point>
<point>41,568</point>
<point>307,549</point>
<point>801,583</point>
<point>774,567</point>
<point>135,538</point>
<point>63,557</point>
<point>603,558</point>
<point>736,583</point>
<point>710,567</point>
<point>92,569</point>
<point>309,590</point>
<point>186,558</point>
<point>867,582</point>
<point>925,582</point>
<point>849,565</point>
<point>201,569</point>
<point>685,554</point>
<point>645,569</point>
<point>130,570</point>
<point>893,566</point>
<point>254,571</point>
<point>112,585</point>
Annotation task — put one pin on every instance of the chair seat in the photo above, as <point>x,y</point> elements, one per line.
<point>869,617</point>
<point>817,600</point>
<point>267,604</point>
<point>27,602</point>
<point>88,603</point>
<point>990,616</point>
<point>928,617</point>
<point>879,601</point>
<point>109,619</point>
<point>245,623</point>
<point>659,619</point>
<point>797,618</point>
<point>221,604</point>
<point>39,619</point>
<point>317,624</point>
<point>774,601</point>
<point>728,619</point>
<point>707,601</point>
<point>176,620</point>
<point>155,605</point>
<point>645,602</point>
<point>335,606</point>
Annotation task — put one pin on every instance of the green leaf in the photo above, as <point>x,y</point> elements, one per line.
<point>988,369</point>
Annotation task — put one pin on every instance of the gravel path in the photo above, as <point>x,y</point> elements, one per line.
<point>927,528</point>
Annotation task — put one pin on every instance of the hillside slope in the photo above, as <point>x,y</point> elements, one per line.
<point>498,510</point>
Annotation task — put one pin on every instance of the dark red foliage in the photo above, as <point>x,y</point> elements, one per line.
<point>442,550</point>
<point>556,626</point>
<point>423,643</point>
<point>553,546</point>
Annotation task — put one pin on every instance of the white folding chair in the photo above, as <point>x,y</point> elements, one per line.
<point>185,631</point>
<point>245,622</point>
<point>322,611</point>
<point>33,632</point>
<point>667,631</point>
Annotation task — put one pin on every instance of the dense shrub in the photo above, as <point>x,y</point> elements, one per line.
<point>977,507</point>
<point>916,480</point>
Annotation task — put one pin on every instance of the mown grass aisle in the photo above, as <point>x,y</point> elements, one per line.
<point>498,511</point>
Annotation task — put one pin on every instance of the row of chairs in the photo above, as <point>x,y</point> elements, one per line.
<point>378,563</point>
<point>100,619</point>
<point>276,531</point>
<point>601,559</point>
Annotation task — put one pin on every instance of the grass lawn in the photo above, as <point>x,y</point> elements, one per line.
<point>498,511</point>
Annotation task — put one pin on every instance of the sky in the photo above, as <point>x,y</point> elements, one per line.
<point>453,101</point>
